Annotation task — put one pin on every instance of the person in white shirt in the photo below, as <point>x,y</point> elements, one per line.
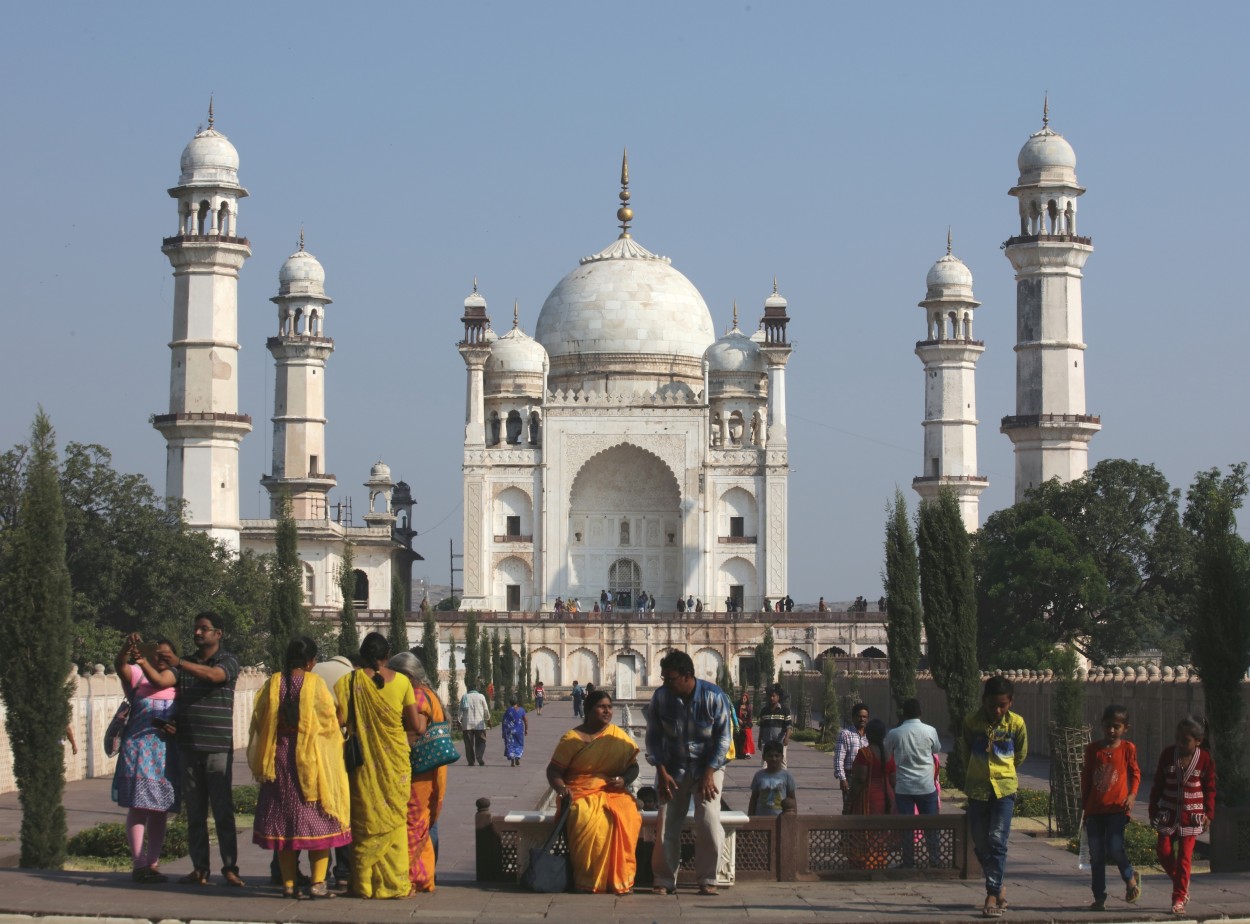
<point>915,747</point>
<point>474,720</point>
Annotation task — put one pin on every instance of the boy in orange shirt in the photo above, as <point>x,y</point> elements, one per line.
<point>1110,778</point>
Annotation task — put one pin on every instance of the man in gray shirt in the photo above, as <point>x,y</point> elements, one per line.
<point>915,747</point>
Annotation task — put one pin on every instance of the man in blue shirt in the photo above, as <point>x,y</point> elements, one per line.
<point>915,747</point>
<point>689,731</point>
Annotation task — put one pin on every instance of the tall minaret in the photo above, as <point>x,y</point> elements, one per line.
<point>776,349</point>
<point>203,427</point>
<point>1050,428</point>
<point>950,359</point>
<point>299,397</point>
<point>475,349</point>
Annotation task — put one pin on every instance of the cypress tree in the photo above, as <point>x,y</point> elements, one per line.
<point>802,701</point>
<point>902,610</point>
<point>484,660</point>
<point>766,661</point>
<point>1219,623</point>
<point>287,617</point>
<point>948,594</point>
<point>472,666</point>
<point>526,682</point>
<point>399,618</point>
<point>349,638</point>
<point>429,647</point>
<point>508,663</point>
<point>830,721</point>
<point>36,635</point>
<point>496,666</point>
<point>453,683</point>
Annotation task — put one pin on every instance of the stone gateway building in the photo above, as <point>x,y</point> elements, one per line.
<point>624,452</point>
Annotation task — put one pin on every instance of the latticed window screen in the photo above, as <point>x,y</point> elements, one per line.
<point>836,850</point>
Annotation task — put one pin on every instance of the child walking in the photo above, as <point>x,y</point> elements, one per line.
<point>997,742</point>
<point>1110,778</point>
<point>1182,803</point>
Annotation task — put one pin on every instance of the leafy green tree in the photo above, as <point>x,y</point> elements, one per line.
<point>948,593</point>
<point>1037,588</point>
<point>1068,708</point>
<point>453,682</point>
<point>725,681</point>
<point>287,617</point>
<point>448,604</point>
<point>247,588</point>
<point>35,634</point>
<point>1219,619</point>
<point>902,611</point>
<point>508,665</point>
<point>399,617</point>
<point>472,663</point>
<point>802,700</point>
<point>349,638</point>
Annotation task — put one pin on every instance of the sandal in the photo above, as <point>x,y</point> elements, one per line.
<point>663,890</point>
<point>992,908</point>
<point>148,875</point>
<point>318,890</point>
<point>290,894</point>
<point>1132,889</point>
<point>195,877</point>
<point>708,890</point>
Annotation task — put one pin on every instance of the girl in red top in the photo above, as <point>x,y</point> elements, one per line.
<point>1182,802</point>
<point>1109,781</point>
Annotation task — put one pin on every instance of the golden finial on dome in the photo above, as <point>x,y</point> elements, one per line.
<point>948,240</point>
<point>301,238</point>
<point>516,314</point>
<point>624,214</point>
<point>1046,110</point>
<point>210,112</point>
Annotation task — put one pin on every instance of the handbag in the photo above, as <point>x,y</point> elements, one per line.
<point>117,728</point>
<point>434,749</point>
<point>353,751</point>
<point>548,872</point>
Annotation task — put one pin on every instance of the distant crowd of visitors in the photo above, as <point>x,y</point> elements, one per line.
<point>352,762</point>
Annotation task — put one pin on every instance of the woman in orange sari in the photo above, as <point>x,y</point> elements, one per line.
<point>591,767</point>
<point>426,800</point>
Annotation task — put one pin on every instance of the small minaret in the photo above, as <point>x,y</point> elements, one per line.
<point>203,426</point>
<point>299,397</point>
<point>1050,429</point>
<point>776,350</point>
<point>950,359</point>
<point>381,488</point>
<point>475,348</point>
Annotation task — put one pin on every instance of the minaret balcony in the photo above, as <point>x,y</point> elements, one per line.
<point>207,423</point>
<point>299,483</point>
<point>951,341</point>
<point>736,540</point>
<point>205,239</point>
<point>1048,239</point>
<point>1076,427</point>
<point>952,479</point>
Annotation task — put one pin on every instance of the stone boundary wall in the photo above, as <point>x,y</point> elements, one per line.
<point>93,702</point>
<point>1156,701</point>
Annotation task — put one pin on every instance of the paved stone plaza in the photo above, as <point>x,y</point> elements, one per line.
<point>1043,883</point>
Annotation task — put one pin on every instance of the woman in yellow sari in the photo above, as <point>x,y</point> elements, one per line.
<point>295,751</point>
<point>591,766</point>
<point>383,718</point>
<point>425,801</point>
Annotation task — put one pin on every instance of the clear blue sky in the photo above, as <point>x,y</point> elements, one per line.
<point>829,144</point>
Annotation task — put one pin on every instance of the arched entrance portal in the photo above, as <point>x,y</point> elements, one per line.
<point>624,527</point>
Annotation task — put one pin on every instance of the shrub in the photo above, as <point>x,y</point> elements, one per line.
<point>1139,844</point>
<point>1032,803</point>
<point>108,841</point>
<point>245,799</point>
<point>804,734</point>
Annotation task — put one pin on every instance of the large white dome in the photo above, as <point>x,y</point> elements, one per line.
<point>625,299</point>
<point>516,351</point>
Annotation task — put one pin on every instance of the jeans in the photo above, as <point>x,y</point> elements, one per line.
<point>206,782</point>
<point>1106,839</point>
<point>475,746</point>
<point>926,804</point>
<point>989,822</point>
